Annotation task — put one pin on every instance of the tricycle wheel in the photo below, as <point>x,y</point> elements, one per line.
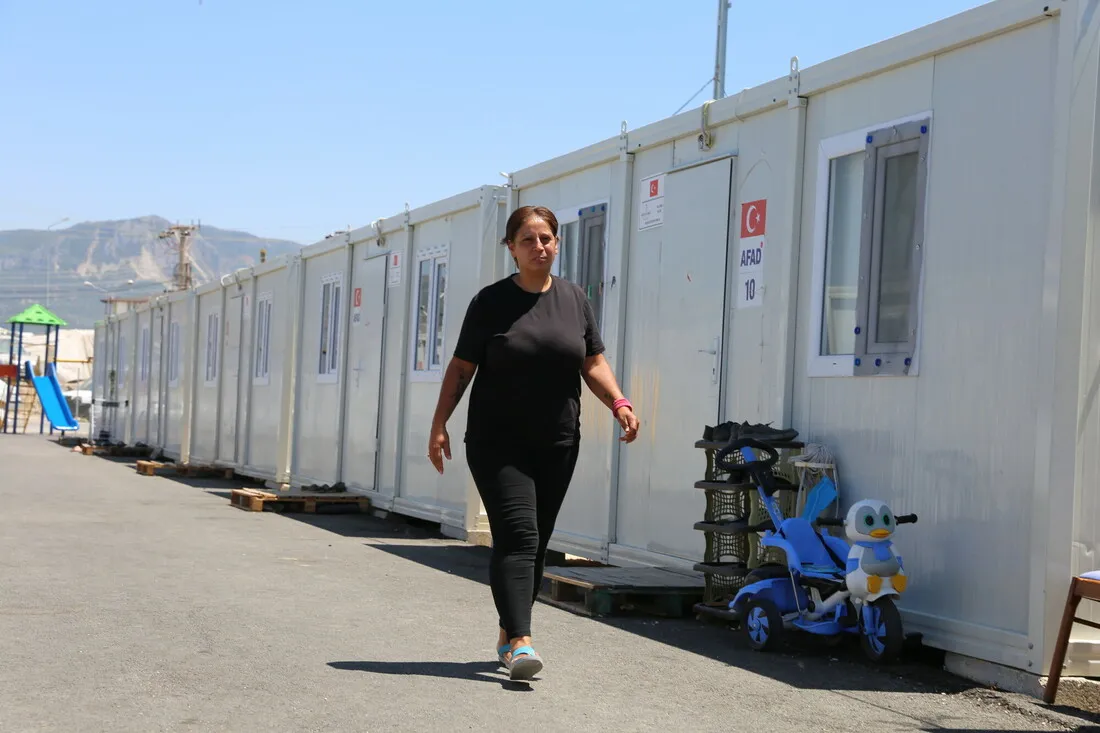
<point>763,624</point>
<point>881,634</point>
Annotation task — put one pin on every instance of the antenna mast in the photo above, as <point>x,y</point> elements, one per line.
<point>720,52</point>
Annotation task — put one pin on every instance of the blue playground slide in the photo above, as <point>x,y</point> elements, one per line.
<point>53,402</point>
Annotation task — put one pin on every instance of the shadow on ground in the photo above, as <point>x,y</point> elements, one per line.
<point>479,671</point>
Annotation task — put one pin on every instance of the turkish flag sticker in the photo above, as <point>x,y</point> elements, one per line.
<point>754,218</point>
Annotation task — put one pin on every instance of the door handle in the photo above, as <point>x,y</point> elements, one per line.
<point>713,351</point>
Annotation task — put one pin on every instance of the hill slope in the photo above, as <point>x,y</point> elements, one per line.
<point>108,253</point>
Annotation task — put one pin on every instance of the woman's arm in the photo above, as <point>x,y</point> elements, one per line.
<point>458,376</point>
<point>456,379</point>
<point>601,380</point>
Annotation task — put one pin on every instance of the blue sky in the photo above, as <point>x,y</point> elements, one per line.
<point>293,119</point>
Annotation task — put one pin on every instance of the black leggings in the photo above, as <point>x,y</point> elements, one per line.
<point>522,489</point>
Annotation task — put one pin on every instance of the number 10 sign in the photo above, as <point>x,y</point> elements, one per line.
<point>750,264</point>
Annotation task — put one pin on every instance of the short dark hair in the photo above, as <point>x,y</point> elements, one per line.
<point>520,216</point>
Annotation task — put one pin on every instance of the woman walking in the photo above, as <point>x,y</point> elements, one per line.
<point>531,338</point>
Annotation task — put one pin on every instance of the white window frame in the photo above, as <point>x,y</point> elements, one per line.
<point>144,356</point>
<point>838,146</point>
<point>438,255</point>
<point>330,329</point>
<point>573,215</point>
<point>261,347</point>
<point>173,353</point>
<point>212,350</point>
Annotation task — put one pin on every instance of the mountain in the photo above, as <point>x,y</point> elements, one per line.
<point>108,254</point>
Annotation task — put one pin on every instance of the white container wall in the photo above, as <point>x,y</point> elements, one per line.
<point>234,323</point>
<point>142,372</point>
<point>205,412</point>
<point>454,253</point>
<point>100,369</point>
<point>319,387</point>
<point>263,382</point>
<point>589,225</point>
<point>117,385</point>
<point>177,334</point>
<point>127,367</point>
<point>745,266</point>
<point>362,430</point>
<point>158,318</point>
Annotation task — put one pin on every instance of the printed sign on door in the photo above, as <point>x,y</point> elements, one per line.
<point>357,307</point>
<point>750,266</point>
<point>651,211</point>
<point>394,270</point>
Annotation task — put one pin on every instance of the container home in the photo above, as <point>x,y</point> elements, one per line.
<point>871,250</point>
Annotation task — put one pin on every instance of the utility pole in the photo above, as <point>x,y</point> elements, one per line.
<point>180,236</point>
<point>720,53</point>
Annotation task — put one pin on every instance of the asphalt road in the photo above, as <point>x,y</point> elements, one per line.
<point>130,603</point>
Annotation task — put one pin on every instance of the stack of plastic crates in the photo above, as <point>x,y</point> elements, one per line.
<point>732,523</point>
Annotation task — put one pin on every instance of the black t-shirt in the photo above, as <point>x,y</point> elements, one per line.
<point>529,349</point>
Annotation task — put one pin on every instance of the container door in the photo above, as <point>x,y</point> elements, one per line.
<point>230,376</point>
<point>156,378</point>
<point>244,379</point>
<point>675,323</point>
<point>364,387</point>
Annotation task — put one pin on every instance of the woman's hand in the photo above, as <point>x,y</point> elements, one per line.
<point>629,422</point>
<point>439,445</point>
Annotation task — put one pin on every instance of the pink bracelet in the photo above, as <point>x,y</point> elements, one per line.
<point>621,402</point>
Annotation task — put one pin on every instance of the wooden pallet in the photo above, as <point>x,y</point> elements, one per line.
<point>114,450</point>
<point>604,591</point>
<point>152,468</point>
<point>254,500</point>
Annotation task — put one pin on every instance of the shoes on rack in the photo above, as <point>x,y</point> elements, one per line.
<point>766,432</point>
<point>723,433</point>
<point>729,431</point>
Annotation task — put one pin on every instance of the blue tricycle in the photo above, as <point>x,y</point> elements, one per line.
<point>828,587</point>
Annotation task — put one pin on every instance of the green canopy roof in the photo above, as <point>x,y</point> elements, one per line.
<point>36,315</point>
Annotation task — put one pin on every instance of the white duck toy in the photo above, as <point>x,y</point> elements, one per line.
<point>873,566</point>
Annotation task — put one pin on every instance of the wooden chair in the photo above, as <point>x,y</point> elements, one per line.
<point>1086,585</point>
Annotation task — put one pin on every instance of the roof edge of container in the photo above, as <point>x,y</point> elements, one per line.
<point>956,31</point>
<point>962,29</point>
<point>451,205</point>
<point>209,287</point>
<point>266,268</point>
<point>330,244</point>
